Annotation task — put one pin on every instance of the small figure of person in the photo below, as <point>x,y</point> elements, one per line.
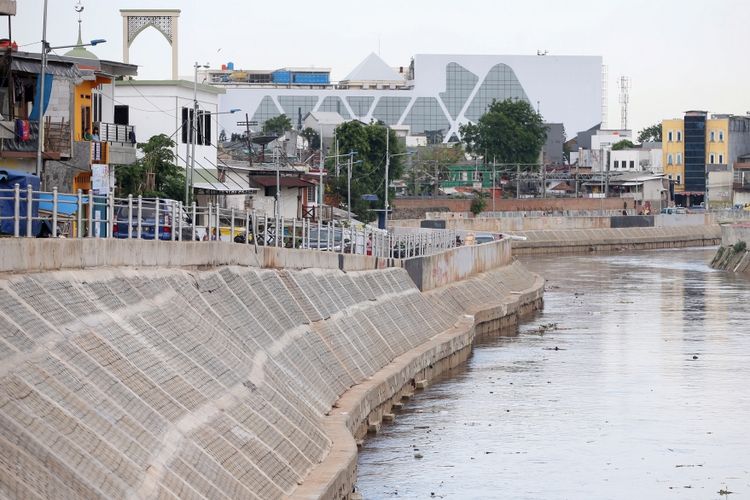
<point>206,234</point>
<point>95,135</point>
<point>87,135</point>
<point>369,245</point>
<point>214,237</point>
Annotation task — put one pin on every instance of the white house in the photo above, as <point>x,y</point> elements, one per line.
<point>646,158</point>
<point>166,107</point>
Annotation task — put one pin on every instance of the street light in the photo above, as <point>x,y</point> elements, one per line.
<point>42,77</point>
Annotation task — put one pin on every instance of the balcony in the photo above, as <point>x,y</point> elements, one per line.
<point>57,141</point>
<point>118,144</point>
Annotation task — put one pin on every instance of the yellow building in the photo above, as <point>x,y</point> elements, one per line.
<point>673,151</point>
<point>699,152</point>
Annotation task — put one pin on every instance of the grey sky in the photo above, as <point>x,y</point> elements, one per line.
<point>679,54</point>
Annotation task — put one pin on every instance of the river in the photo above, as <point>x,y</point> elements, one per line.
<point>633,382</point>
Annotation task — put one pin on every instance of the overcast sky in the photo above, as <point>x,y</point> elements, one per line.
<point>679,54</point>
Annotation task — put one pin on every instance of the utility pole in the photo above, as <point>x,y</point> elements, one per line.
<point>518,180</point>
<point>42,78</point>
<point>544,183</point>
<point>249,141</point>
<point>494,165</point>
<point>349,188</point>
<point>322,165</point>
<point>387,165</point>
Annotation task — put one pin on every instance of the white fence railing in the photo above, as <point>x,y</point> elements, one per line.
<point>30,213</point>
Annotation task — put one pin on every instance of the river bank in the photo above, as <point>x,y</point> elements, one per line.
<point>168,370</point>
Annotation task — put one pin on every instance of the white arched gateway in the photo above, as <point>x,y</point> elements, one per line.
<point>134,21</point>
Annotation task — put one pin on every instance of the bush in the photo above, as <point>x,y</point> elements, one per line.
<point>740,246</point>
<point>477,204</point>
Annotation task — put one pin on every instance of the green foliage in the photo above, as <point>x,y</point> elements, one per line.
<point>368,176</point>
<point>510,132</point>
<point>155,174</point>
<point>740,246</point>
<point>478,204</point>
<point>312,138</point>
<point>650,134</point>
<point>623,144</point>
<point>430,166</point>
<point>277,125</point>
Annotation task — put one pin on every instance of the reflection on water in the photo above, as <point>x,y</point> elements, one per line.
<point>646,396</point>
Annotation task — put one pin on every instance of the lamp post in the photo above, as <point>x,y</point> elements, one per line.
<point>193,127</point>
<point>42,77</point>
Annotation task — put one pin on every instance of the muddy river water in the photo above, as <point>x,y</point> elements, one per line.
<point>633,382</point>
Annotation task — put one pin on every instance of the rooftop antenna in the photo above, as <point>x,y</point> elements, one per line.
<point>624,99</point>
<point>542,52</point>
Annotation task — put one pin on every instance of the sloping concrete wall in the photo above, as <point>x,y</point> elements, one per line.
<point>147,382</point>
<point>434,271</point>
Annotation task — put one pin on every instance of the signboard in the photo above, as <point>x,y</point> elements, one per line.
<point>100,179</point>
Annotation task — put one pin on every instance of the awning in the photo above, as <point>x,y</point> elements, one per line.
<point>53,68</point>
<point>220,188</point>
<point>270,181</point>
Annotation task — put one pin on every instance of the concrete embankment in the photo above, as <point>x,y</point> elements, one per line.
<point>597,240</point>
<point>216,378</point>
<point>734,254</point>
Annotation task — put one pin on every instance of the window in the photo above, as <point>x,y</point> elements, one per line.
<point>711,159</point>
<point>721,159</point>
<point>721,136</point>
<point>679,158</point>
<point>679,136</point>
<point>632,163</point>
<point>669,159</point>
<point>669,136</point>
<point>202,127</point>
<point>270,191</point>
<point>679,179</point>
<point>617,164</point>
<point>712,136</point>
<point>670,177</point>
<point>122,114</point>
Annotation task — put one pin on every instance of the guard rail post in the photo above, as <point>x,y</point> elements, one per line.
<point>194,214</point>
<point>156,219</point>
<point>130,216</point>
<point>54,212</point>
<point>91,215</point>
<point>110,214</point>
<point>174,219</point>
<point>16,210</point>
<point>210,222</point>
<point>180,211</point>
<point>231,226</point>
<point>29,210</point>
<point>139,228</point>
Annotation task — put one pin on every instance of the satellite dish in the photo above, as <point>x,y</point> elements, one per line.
<point>78,7</point>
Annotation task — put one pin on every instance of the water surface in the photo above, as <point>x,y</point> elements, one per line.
<point>634,382</point>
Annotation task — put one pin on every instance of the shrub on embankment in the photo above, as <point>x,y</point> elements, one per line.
<point>172,383</point>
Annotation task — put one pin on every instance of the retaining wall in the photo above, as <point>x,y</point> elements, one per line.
<point>39,254</point>
<point>587,240</point>
<point>216,382</point>
<point>433,271</point>
<point>734,233</point>
<point>511,224</point>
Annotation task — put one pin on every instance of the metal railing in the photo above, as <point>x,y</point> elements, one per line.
<point>30,213</point>
<point>111,132</point>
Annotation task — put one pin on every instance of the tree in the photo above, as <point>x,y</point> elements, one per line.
<point>368,175</point>
<point>429,165</point>
<point>650,134</point>
<point>277,125</point>
<point>312,138</point>
<point>223,136</point>
<point>623,144</point>
<point>155,174</point>
<point>478,203</point>
<point>510,131</point>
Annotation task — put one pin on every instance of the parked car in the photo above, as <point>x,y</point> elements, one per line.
<point>149,223</point>
<point>319,240</point>
<point>480,238</point>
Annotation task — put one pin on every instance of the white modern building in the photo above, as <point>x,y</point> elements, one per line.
<point>432,96</point>
<point>165,107</point>
<point>646,158</point>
